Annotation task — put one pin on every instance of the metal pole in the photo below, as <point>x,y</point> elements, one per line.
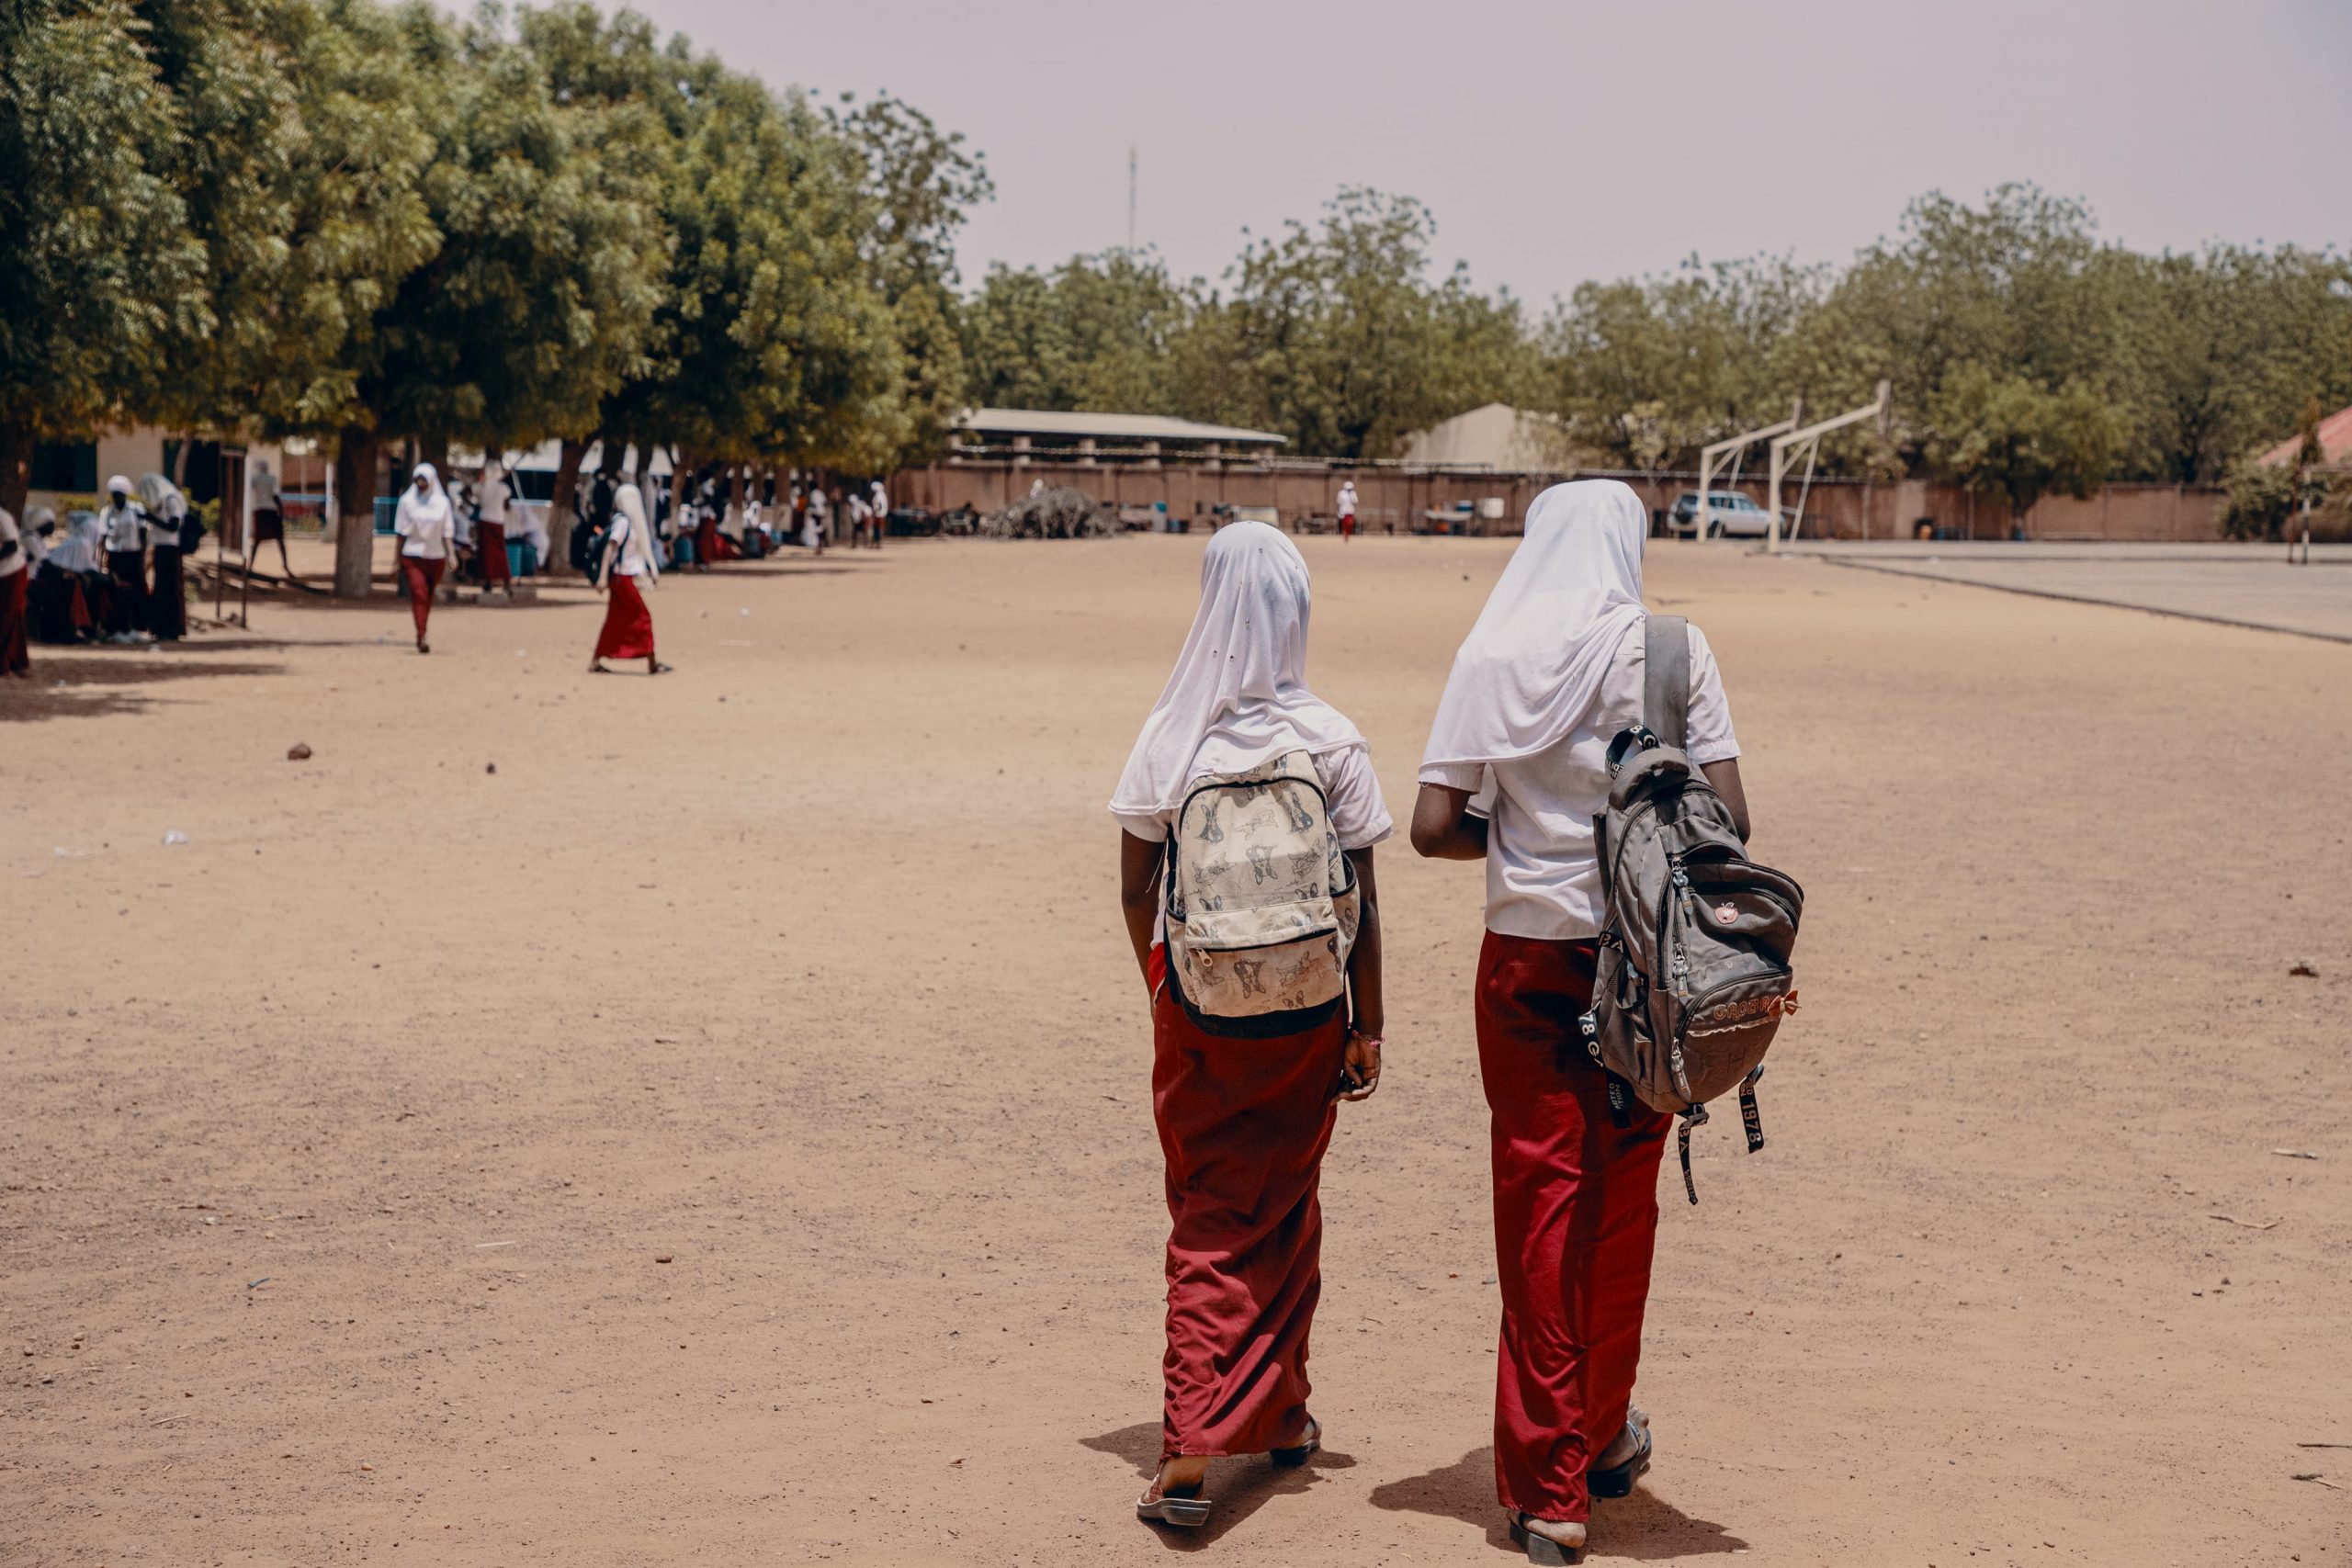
<point>1772,498</point>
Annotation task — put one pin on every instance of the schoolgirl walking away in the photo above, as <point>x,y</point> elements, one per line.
<point>1515,773</point>
<point>1247,814</point>
<point>631,561</point>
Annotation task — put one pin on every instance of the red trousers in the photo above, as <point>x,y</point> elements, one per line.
<point>1575,1221</point>
<point>627,631</point>
<point>1243,1125</point>
<point>490,543</point>
<point>423,579</point>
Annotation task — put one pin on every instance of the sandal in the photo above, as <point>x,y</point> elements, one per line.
<point>1186,1508</point>
<point>1617,1480</point>
<point>1305,1450</point>
<point>1541,1547</point>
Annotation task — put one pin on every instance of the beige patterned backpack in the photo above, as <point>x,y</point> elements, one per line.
<point>1261,903</point>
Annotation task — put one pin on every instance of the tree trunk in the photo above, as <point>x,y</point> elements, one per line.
<point>354,494</point>
<point>562,511</point>
<point>16,465</point>
<point>435,451</point>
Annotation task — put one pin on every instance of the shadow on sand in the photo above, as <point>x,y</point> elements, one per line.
<point>1642,1527</point>
<point>1241,1487</point>
<point>88,684</point>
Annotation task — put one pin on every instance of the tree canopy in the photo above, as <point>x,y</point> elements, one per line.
<point>374,222</point>
<point>2027,353</point>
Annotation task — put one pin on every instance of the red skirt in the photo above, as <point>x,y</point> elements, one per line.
<point>16,657</point>
<point>489,548</point>
<point>629,624</point>
<point>269,524</point>
<point>1575,1221</point>
<point>1243,1125</point>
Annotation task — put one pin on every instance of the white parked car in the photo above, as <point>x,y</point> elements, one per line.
<point>1730,516</point>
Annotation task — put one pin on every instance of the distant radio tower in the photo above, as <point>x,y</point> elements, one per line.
<point>1131,195</point>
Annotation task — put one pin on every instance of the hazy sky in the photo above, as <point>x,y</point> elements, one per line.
<point>1562,142</point>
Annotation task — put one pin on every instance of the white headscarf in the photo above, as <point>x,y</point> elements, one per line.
<point>629,502</point>
<point>1531,668</point>
<point>1238,696</point>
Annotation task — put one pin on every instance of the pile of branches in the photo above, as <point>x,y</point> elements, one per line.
<point>1059,513</point>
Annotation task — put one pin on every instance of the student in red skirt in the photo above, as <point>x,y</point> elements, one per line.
<point>632,561</point>
<point>1515,773</point>
<point>490,528</point>
<point>1243,1123</point>
<point>16,657</point>
<point>427,526</point>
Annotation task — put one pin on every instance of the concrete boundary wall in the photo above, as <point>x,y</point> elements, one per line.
<point>1395,499</point>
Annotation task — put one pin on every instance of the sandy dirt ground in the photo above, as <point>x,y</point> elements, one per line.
<point>720,1133</point>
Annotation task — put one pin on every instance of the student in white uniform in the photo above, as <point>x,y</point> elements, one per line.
<point>1244,1122</point>
<point>264,517</point>
<point>877,504</point>
<point>631,559</point>
<point>122,523</point>
<point>427,526</point>
<point>1346,508</point>
<point>1515,773</point>
<point>812,531</point>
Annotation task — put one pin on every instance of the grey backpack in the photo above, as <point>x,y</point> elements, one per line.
<point>1693,976</point>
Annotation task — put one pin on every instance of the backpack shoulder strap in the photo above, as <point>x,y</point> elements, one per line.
<point>1666,678</point>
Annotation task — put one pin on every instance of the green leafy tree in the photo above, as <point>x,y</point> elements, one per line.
<point>2004,436</point>
<point>1098,333</point>
<point>1338,339</point>
<point>100,270</point>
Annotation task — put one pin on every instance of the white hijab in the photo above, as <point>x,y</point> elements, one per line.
<point>629,502</point>
<point>1238,696</point>
<point>430,508</point>
<point>1531,668</point>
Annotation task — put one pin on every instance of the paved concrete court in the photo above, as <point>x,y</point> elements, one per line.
<point>2249,585</point>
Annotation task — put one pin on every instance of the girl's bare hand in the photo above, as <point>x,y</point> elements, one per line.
<point>1360,1066</point>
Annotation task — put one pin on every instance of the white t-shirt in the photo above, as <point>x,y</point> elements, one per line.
<point>426,531</point>
<point>124,526</point>
<point>1542,879</point>
<point>1347,501</point>
<point>1350,788</point>
<point>631,562</point>
<point>493,499</point>
<point>262,490</point>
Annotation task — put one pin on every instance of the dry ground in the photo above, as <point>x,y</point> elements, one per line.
<point>341,1149</point>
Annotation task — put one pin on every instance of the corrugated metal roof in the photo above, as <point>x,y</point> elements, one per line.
<point>2334,440</point>
<point>1107,426</point>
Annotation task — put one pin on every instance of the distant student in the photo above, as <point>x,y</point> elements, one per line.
<point>1346,507</point>
<point>1244,1121</point>
<point>631,559</point>
<point>266,516</point>
<point>859,515</point>
<point>878,502</point>
<point>15,654</point>
<point>427,526</point>
<point>68,594</point>
<point>490,528</point>
<point>122,523</point>
<point>812,533</point>
<point>166,538</point>
<point>1515,773</point>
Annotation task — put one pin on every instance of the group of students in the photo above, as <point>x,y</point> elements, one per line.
<point>112,576</point>
<point>1515,773</point>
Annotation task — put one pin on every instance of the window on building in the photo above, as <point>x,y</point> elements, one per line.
<point>71,466</point>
